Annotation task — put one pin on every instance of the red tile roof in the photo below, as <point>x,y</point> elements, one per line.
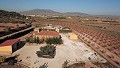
<point>9,42</point>
<point>47,33</point>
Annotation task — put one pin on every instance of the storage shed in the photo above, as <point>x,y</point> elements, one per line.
<point>73,36</point>
<point>9,46</point>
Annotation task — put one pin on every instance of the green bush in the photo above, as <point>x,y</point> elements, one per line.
<point>33,40</point>
<point>65,64</point>
<point>46,50</point>
<point>27,39</point>
<point>54,40</point>
<point>65,31</point>
<point>30,40</point>
<point>2,59</point>
<point>37,40</point>
<point>7,29</point>
<point>45,65</point>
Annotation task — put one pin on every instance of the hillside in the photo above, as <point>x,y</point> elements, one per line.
<point>11,17</point>
<point>75,14</point>
<point>38,11</point>
<point>8,14</point>
<point>51,12</point>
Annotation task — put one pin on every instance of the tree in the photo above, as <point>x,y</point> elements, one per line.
<point>49,40</point>
<point>37,40</point>
<point>33,40</point>
<point>7,29</point>
<point>54,40</point>
<point>46,50</point>
<point>13,17</point>
<point>28,39</point>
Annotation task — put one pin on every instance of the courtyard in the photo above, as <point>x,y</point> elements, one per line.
<point>70,50</point>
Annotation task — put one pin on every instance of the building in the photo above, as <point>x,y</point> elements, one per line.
<point>37,29</point>
<point>73,36</point>
<point>48,27</point>
<point>46,34</point>
<point>9,46</point>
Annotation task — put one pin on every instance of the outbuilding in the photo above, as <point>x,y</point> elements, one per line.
<point>44,34</point>
<point>9,46</point>
<point>73,36</point>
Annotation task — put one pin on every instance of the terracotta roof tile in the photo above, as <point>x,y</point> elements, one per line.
<point>48,33</point>
<point>9,42</point>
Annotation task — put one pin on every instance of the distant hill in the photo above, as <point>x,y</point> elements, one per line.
<point>51,12</point>
<point>76,14</point>
<point>38,12</point>
<point>11,17</point>
<point>7,14</point>
<point>110,16</point>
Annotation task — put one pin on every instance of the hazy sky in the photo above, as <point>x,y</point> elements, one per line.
<point>97,7</point>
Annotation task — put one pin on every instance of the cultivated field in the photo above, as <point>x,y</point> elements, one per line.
<point>100,33</point>
<point>11,25</point>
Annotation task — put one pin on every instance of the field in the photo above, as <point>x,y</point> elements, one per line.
<point>102,34</point>
<point>102,24</point>
<point>11,25</point>
<point>98,44</point>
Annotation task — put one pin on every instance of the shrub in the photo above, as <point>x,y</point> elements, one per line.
<point>47,50</point>
<point>37,40</point>
<point>2,59</point>
<point>65,64</point>
<point>30,40</point>
<point>7,29</point>
<point>54,40</point>
<point>45,65</point>
<point>27,39</point>
<point>65,31</point>
<point>33,40</point>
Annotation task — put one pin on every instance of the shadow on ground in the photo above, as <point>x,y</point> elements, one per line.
<point>22,43</point>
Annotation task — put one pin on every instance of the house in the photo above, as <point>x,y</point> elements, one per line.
<point>37,29</point>
<point>73,36</point>
<point>46,34</point>
<point>48,27</point>
<point>9,46</point>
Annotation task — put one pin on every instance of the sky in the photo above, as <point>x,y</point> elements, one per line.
<point>94,7</point>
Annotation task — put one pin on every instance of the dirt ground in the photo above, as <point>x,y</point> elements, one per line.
<point>70,50</point>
